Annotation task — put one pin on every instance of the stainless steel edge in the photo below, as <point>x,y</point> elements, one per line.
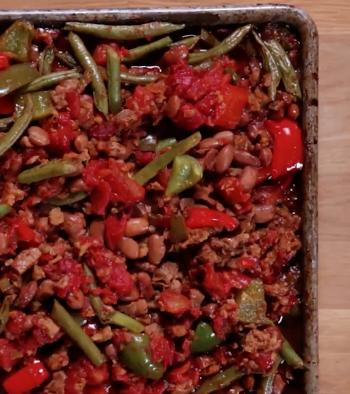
<point>231,15</point>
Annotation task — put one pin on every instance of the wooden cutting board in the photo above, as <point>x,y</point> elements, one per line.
<point>333,21</point>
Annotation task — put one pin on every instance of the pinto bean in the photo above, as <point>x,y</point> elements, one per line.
<point>97,228</point>
<point>265,156</point>
<point>254,129</point>
<point>224,137</point>
<point>45,290</point>
<point>293,111</point>
<point>136,226</point>
<point>81,142</point>
<point>263,213</point>
<point>172,106</point>
<point>208,143</point>
<point>245,158</point>
<point>156,249</point>
<point>38,136</point>
<point>224,159</point>
<point>249,178</point>
<point>129,247</point>
<point>75,300</point>
<point>27,293</point>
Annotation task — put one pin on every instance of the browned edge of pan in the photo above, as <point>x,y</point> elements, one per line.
<point>208,16</point>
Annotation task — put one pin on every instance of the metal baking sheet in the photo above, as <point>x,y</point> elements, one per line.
<point>210,16</point>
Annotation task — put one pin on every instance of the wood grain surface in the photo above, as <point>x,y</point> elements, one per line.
<point>333,21</point>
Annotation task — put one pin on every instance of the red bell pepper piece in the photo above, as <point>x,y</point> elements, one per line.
<point>114,231</point>
<point>205,217</point>
<point>24,232</point>
<point>26,379</point>
<point>288,147</point>
<point>4,61</point>
<point>228,113</point>
<point>7,107</point>
<point>73,100</point>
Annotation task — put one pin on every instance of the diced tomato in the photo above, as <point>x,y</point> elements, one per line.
<point>228,113</point>
<point>143,158</point>
<point>7,105</point>
<point>232,191</point>
<point>4,61</point>
<point>157,387</point>
<point>100,197</point>
<point>246,262</point>
<point>114,231</point>
<point>61,133</point>
<point>174,302</point>
<point>142,100</point>
<point>102,131</point>
<point>73,100</point>
<point>161,351</point>
<point>100,52</point>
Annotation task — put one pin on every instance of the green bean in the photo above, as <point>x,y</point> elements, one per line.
<point>88,63</point>
<point>138,79</point>
<point>95,300</point>
<point>289,76</point>
<point>18,128</point>
<point>220,380</point>
<point>16,41</point>
<point>209,38</point>
<point>71,199</point>
<point>185,173</point>
<point>49,80</point>
<point>16,76</point>
<point>67,59</point>
<point>290,356</point>
<point>114,81</point>
<point>109,32</point>
<point>115,317</point>
<point>4,313</point>
<point>52,169</point>
<point>206,65</point>
<point>160,162</point>
<point>46,60</point>
<point>42,104</point>
<point>144,50</point>
<point>235,77</point>
<point>4,210</point>
<point>191,42</point>
<point>5,123</point>
<point>168,142</point>
<point>79,319</point>
<point>63,319</point>
<point>270,66</point>
<point>178,230</point>
<point>266,384</point>
<point>224,47</point>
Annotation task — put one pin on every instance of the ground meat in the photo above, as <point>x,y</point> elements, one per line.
<point>56,386</point>
<point>57,360</point>
<point>109,253</point>
<point>26,260</point>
